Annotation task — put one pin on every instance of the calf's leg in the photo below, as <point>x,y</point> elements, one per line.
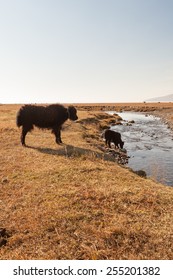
<point>109,143</point>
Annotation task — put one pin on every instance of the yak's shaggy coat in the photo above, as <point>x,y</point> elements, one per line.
<point>114,137</point>
<point>50,117</point>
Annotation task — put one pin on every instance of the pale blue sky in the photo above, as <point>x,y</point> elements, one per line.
<point>72,51</point>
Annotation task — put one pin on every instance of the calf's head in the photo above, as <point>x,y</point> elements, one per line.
<point>72,112</point>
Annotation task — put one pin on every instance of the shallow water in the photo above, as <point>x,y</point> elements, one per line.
<point>149,144</point>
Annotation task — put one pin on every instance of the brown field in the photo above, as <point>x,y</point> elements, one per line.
<point>70,202</point>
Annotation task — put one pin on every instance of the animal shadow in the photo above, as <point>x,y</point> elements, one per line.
<point>72,151</point>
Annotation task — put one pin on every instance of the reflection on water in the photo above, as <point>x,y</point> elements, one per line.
<point>149,143</point>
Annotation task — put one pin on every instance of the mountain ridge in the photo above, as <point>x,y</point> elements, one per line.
<point>165,98</point>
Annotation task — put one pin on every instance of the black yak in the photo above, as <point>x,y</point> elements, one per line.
<point>114,137</point>
<point>50,117</point>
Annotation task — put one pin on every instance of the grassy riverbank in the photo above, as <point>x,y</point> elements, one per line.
<point>72,202</point>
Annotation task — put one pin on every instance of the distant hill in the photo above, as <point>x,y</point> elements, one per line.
<point>166,98</point>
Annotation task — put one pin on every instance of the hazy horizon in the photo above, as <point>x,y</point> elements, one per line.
<point>89,51</point>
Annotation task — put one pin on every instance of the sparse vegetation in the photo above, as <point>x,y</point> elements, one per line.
<point>67,202</point>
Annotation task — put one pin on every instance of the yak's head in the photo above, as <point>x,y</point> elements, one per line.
<point>72,112</point>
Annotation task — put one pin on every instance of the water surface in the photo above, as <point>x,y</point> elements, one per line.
<point>149,143</point>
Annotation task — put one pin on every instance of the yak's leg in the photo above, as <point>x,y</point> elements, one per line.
<point>109,143</point>
<point>116,145</point>
<point>25,130</point>
<point>58,137</point>
<point>23,135</point>
<point>57,132</point>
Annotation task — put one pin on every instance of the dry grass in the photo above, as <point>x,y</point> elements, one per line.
<point>67,202</point>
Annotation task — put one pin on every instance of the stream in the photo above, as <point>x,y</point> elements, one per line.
<point>149,144</point>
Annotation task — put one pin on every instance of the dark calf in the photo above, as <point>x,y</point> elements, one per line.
<point>114,137</point>
<point>45,117</point>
